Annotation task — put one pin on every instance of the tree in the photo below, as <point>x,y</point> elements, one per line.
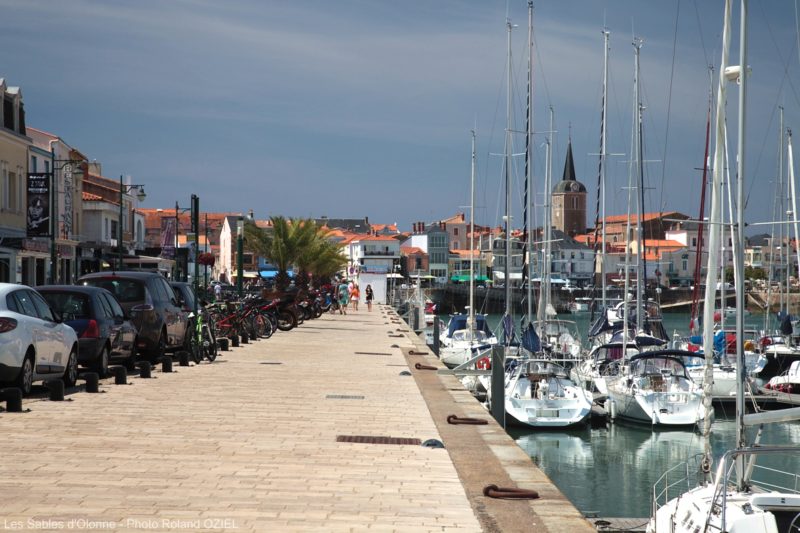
<point>294,243</point>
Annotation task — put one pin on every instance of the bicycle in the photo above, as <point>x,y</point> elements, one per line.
<point>203,343</point>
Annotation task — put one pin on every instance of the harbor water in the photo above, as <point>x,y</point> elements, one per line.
<point>610,470</point>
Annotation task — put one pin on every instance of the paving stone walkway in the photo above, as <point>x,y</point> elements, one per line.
<point>248,443</point>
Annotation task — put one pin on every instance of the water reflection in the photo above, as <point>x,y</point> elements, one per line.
<point>611,470</point>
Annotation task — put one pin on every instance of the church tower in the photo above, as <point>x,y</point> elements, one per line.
<point>569,200</point>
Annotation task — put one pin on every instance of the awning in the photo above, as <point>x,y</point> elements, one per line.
<point>465,277</point>
<point>394,276</point>
<point>502,275</point>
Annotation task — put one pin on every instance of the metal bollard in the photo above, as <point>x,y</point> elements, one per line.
<point>13,398</point>
<point>144,370</point>
<point>56,388</point>
<point>235,341</point>
<point>92,381</point>
<point>166,364</point>
<point>245,338</point>
<point>224,344</point>
<point>120,374</point>
<point>183,358</point>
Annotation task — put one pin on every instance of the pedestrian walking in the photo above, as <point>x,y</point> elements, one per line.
<point>369,294</point>
<point>355,294</point>
<point>344,296</point>
<point>218,292</point>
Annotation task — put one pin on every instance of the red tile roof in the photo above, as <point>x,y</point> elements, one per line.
<point>646,217</point>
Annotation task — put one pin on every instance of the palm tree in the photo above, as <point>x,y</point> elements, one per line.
<point>294,242</point>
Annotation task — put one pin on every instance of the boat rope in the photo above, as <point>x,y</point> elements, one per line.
<point>505,493</point>
<point>456,420</point>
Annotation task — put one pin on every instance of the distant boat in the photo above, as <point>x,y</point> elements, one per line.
<point>580,305</point>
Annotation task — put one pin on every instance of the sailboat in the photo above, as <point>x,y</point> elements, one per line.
<point>538,391</point>
<point>734,500</point>
<point>652,387</point>
<point>467,334</point>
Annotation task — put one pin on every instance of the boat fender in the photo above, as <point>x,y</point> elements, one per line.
<point>483,364</point>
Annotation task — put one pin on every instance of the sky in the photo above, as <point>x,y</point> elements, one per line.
<point>357,108</point>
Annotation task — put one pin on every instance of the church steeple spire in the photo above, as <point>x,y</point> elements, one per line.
<point>569,165</point>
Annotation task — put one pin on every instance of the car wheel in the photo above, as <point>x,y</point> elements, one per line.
<point>161,347</point>
<point>24,380</point>
<point>101,365</point>
<point>71,372</point>
<point>130,362</point>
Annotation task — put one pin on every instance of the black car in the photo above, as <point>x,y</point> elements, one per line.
<point>105,334</point>
<point>151,303</point>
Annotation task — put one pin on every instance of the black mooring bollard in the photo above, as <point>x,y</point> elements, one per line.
<point>235,341</point>
<point>144,370</point>
<point>224,344</point>
<point>166,364</point>
<point>56,388</point>
<point>245,338</point>
<point>183,358</point>
<point>120,375</point>
<point>92,381</point>
<point>13,398</point>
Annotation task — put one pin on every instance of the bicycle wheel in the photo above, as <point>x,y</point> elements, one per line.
<point>209,344</point>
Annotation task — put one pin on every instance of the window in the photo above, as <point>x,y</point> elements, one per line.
<point>684,264</point>
<point>114,225</point>
<point>694,241</point>
<point>72,306</point>
<point>116,310</point>
<point>24,304</point>
<point>42,309</point>
<point>455,232</point>
<point>47,166</point>
<point>126,291</point>
<point>33,163</point>
<point>12,192</point>
<point>103,310</point>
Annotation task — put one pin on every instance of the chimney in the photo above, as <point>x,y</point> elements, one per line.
<point>422,227</point>
<point>414,226</point>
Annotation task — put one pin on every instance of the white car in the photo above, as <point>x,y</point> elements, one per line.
<point>34,344</point>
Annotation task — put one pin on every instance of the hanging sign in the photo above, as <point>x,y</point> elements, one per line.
<point>38,202</point>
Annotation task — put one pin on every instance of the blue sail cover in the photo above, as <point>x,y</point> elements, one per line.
<point>508,330</point>
<point>530,340</point>
<point>458,322</point>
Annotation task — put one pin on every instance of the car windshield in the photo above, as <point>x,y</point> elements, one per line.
<point>71,306</point>
<point>126,290</point>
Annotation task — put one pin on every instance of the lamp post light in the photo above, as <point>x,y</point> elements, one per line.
<point>196,229</point>
<point>239,255</point>
<point>140,195</point>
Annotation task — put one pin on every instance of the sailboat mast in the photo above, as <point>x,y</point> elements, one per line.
<point>606,35</point>
<point>471,324</point>
<point>640,252</point>
<point>547,233</point>
<point>790,164</point>
<point>782,211</point>
<point>714,235</point>
<point>529,163</point>
<point>739,256</point>
<point>508,185</point>
<point>698,260</point>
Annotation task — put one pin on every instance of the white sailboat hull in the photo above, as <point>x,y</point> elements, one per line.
<point>671,408</point>
<point>744,512</point>
<point>557,412</point>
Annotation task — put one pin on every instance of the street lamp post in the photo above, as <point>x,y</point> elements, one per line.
<point>178,211</point>
<point>196,228</point>
<point>239,255</point>
<point>140,195</point>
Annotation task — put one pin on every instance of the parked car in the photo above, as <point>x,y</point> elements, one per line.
<point>34,344</point>
<point>105,333</point>
<point>151,303</point>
